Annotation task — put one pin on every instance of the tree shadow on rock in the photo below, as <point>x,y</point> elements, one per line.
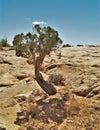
<point>53,110</point>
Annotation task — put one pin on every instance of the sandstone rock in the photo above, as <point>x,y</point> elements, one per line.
<point>1,60</point>
<point>13,69</point>
<point>88,91</point>
<point>8,57</point>
<point>83,90</point>
<point>94,92</point>
<point>20,75</point>
<point>7,79</point>
<point>4,68</point>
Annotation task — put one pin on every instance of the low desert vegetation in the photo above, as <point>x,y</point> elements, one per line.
<point>57,79</point>
<point>4,43</point>
<point>80,45</point>
<point>66,45</point>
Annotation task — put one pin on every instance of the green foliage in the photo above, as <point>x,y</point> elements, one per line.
<point>18,39</point>
<point>43,40</point>
<point>22,43</point>
<point>4,43</point>
<point>23,50</point>
<point>57,79</point>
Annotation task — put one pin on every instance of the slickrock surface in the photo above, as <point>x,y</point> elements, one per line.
<point>76,106</point>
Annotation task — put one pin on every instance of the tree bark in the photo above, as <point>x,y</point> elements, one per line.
<point>47,87</point>
<point>33,56</point>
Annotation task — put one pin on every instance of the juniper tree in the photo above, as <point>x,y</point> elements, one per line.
<point>43,41</point>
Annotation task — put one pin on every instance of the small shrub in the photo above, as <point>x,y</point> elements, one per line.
<point>57,79</point>
<point>74,107</point>
<point>91,45</point>
<point>79,45</point>
<point>66,45</point>
<point>4,43</point>
<point>30,99</point>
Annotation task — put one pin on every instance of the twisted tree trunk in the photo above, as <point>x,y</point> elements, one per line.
<point>47,87</point>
